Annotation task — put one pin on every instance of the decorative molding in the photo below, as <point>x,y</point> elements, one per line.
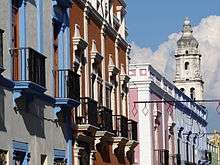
<point>157,115</point>
<point>123,76</point>
<point>79,45</point>
<point>112,68</point>
<point>78,42</point>
<point>96,57</point>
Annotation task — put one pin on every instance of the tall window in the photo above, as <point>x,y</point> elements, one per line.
<point>100,96</point>
<point>55,49</point>
<point>15,34</point>
<point>186,65</point>
<point>1,48</point>
<point>192,93</point>
<point>15,23</point>
<point>108,97</point>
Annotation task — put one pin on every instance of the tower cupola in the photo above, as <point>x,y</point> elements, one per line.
<point>188,63</point>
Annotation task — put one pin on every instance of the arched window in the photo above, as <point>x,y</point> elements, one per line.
<point>182,90</point>
<point>186,65</point>
<point>192,93</point>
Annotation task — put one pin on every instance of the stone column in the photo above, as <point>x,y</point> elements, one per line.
<point>118,91</point>
<point>92,157</point>
<point>86,52</point>
<point>103,63</point>
<point>77,154</point>
<point>146,138</point>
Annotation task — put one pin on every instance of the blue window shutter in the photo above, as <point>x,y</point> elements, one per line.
<point>20,146</point>
<point>59,154</point>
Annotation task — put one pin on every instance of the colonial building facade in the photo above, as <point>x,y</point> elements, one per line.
<point>99,55</point>
<point>63,83</point>
<point>213,143</point>
<point>172,128</point>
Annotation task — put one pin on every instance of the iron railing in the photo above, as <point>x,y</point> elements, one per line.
<point>105,119</point>
<point>132,129</point>
<point>120,126</point>
<point>67,84</point>
<point>28,65</point>
<point>162,156</point>
<point>1,49</point>
<point>89,112</point>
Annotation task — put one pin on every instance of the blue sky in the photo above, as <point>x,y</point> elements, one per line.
<point>151,21</point>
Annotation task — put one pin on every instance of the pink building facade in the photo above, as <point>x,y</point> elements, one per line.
<point>160,123</point>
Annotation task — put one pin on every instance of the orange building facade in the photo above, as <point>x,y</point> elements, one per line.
<point>103,133</point>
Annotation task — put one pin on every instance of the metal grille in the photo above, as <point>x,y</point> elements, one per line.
<point>105,115</point>
<point>89,114</point>
<point>28,65</point>
<point>121,126</point>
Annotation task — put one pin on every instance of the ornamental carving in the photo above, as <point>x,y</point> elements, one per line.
<point>196,70</point>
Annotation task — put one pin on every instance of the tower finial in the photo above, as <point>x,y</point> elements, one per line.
<point>187,29</point>
<point>186,21</point>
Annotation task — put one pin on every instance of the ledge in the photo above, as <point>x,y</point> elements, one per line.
<point>104,136</point>
<point>131,144</point>
<point>87,127</point>
<point>119,142</point>
<point>86,132</point>
<point>29,87</point>
<point>125,78</point>
<point>66,102</point>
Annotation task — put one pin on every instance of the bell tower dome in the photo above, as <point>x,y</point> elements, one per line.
<point>188,64</point>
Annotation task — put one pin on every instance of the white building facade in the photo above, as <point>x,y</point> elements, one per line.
<point>172,128</point>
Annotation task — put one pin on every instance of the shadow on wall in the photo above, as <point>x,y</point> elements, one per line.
<point>2,110</point>
<point>104,151</point>
<point>33,117</point>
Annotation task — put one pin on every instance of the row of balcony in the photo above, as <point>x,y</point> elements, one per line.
<point>102,118</point>
<point>29,66</point>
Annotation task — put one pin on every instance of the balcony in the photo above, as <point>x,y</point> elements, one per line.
<point>162,156</point>
<point>105,119</point>
<point>1,51</point>
<point>89,112</point>
<point>28,69</point>
<point>120,126</point>
<point>132,130</point>
<point>67,85</point>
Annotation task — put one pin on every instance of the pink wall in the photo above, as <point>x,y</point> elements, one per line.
<point>133,96</point>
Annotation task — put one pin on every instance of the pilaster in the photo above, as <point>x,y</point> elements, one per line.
<point>86,51</point>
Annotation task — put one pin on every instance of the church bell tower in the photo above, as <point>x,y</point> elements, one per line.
<point>188,64</point>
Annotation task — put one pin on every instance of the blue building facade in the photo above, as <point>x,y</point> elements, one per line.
<point>35,122</point>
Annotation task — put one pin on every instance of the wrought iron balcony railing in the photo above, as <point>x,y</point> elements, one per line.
<point>28,65</point>
<point>162,156</point>
<point>1,50</point>
<point>67,84</point>
<point>132,129</point>
<point>105,119</point>
<point>89,112</point>
<point>120,126</point>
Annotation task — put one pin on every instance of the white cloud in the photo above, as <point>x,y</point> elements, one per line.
<point>208,35</point>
